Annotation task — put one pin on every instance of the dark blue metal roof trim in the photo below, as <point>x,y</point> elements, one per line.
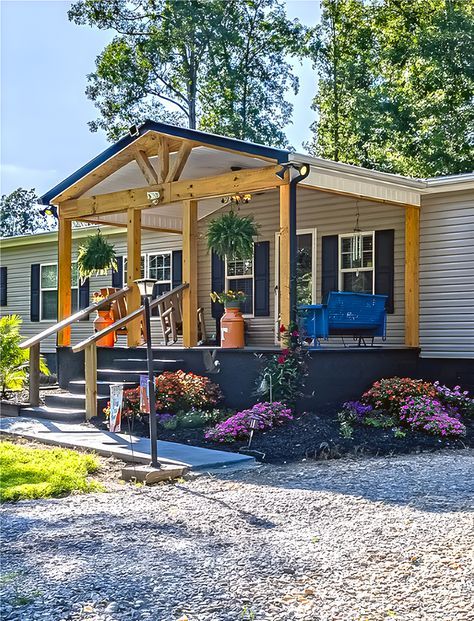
<point>233,144</point>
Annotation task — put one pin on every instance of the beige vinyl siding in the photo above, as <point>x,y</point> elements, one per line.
<point>447,275</point>
<point>330,214</point>
<point>18,260</point>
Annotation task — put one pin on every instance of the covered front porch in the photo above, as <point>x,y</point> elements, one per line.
<point>162,184</point>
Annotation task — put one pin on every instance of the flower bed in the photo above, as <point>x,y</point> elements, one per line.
<point>404,405</point>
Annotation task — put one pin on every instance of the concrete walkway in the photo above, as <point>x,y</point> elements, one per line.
<point>122,446</point>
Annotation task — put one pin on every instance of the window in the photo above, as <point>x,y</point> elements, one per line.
<point>356,262</point>
<point>49,291</point>
<point>159,268</point>
<point>305,268</point>
<point>142,270</point>
<point>239,277</point>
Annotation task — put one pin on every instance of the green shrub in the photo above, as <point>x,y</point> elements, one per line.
<point>14,362</point>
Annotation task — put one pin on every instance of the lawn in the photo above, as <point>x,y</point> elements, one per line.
<point>40,473</point>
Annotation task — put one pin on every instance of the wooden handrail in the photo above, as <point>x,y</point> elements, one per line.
<point>75,317</point>
<point>124,320</point>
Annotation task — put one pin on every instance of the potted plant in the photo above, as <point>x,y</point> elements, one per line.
<point>232,322</point>
<point>96,256</point>
<point>230,235</point>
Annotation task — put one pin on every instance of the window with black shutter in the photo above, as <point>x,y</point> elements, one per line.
<point>3,285</point>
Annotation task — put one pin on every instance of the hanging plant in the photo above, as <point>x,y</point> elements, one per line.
<point>96,257</point>
<point>230,235</point>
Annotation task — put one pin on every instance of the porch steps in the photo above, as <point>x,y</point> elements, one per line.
<point>70,406</point>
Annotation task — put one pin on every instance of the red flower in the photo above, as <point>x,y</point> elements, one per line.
<point>282,329</point>
<point>295,333</point>
<point>285,352</point>
<point>281,359</point>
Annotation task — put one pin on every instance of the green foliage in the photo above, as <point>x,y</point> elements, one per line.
<point>14,361</point>
<point>41,473</point>
<point>196,418</point>
<point>95,257</point>
<point>220,65</point>
<point>230,235</point>
<point>19,216</point>
<point>285,372</point>
<point>396,84</point>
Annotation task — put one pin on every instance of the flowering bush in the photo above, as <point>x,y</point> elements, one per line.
<point>285,371</point>
<point>390,393</point>
<point>239,426</point>
<point>456,399</point>
<point>358,413</point>
<point>194,418</point>
<point>175,391</point>
<point>431,416</point>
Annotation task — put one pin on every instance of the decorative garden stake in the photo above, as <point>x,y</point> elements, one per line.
<point>267,386</point>
<point>253,426</point>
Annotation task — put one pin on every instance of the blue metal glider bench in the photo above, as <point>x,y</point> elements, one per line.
<point>358,315</point>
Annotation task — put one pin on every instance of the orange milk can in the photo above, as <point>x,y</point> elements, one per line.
<point>232,328</point>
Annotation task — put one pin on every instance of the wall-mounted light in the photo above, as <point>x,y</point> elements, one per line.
<point>50,210</point>
<point>303,169</point>
<point>237,199</point>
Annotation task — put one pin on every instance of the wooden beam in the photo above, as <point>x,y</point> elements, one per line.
<point>190,273</point>
<point>248,180</point>
<point>163,159</point>
<point>159,229</point>
<point>179,161</point>
<point>134,251</point>
<point>64,278</point>
<point>146,167</point>
<point>285,258</point>
<point>412,276</point>
<point>34,375</point>
<point>90,376</point>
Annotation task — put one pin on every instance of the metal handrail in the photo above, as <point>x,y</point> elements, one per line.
<point>124,320</point>
<point>57,327</point>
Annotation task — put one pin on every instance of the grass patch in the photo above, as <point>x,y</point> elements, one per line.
<point>41,473</point>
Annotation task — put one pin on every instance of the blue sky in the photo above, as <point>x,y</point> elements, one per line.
<point>44,63</point>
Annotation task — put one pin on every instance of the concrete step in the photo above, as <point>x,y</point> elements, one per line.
<point>73,401</point>
<point>78,387</point>
<point>141,364</point>
<point>55,414</point>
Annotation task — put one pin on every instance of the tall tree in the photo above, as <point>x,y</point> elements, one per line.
<point>19,214</point>
<point>219,65</point>
<point>396,85</point>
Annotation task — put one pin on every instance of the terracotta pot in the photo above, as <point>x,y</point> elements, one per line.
<point>232,328</point>
<point>103,320</point>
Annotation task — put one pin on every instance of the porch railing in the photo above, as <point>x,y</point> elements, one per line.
<point>33,343</point>
<point>170,305</point>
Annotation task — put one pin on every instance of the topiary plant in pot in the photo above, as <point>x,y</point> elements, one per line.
<point>230,235</point>
<point>96,256</point>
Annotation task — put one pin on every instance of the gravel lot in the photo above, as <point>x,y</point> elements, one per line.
<point>348,540</point>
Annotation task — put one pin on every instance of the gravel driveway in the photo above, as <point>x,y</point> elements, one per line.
<point>348,540</point>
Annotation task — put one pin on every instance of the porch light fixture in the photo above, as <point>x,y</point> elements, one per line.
<point>145,286</point>
<point>303,169</point>
<point>50,210</point>
<point>237,199</point>
<point>154,197</point>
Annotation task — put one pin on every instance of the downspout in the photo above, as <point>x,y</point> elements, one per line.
<point>303,172</point>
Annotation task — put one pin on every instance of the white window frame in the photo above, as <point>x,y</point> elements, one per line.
<point>351,270</point>
<point>54,289</point>
<point>124,271</point>
<point>157,254</point>
<point>228,279</point>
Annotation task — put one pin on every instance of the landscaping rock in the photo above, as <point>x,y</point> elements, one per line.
<point>349,539</point>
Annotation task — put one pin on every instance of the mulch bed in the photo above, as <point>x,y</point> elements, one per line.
<point>315,436</point>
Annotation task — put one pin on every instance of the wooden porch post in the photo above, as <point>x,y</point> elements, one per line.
<point>64,278</point>
<point>134,249</point>
<point>412,275</point>
<point>190,273</point>
<point>285,256</point>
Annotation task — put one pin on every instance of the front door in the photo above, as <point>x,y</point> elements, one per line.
<point>306,272</point>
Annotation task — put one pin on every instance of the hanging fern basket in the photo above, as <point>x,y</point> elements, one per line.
<point>96,257</point>
<point>231,236</point>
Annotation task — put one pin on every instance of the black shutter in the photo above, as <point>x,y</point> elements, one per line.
<point>84,294</point>
<point>262,279</point>
<point>177,268</point>
<point>3,286</point>
<point>117,276</point>
<point>384,266</point>
<point>217,283</point>
<point>35,292</point>
<point>329,265</point>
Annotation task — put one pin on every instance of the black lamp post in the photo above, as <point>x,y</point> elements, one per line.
<point>146,286</point>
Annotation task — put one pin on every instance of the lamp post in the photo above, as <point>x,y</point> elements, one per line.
<point>146,285</point>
